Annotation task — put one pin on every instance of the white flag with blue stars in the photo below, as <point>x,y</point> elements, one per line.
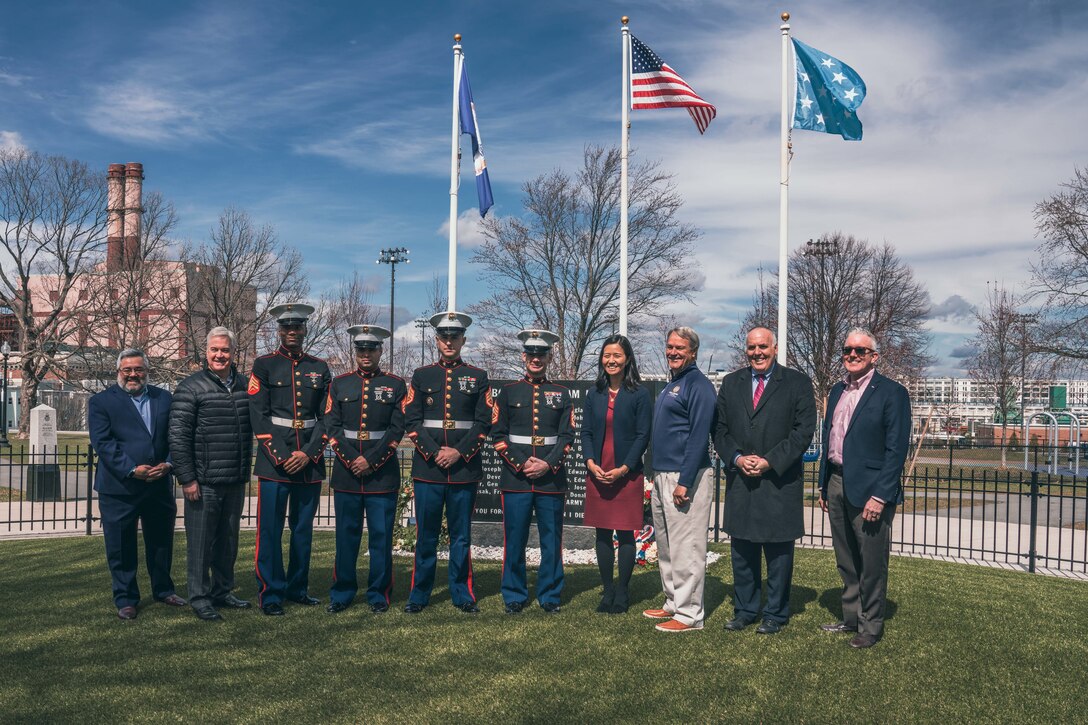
<point>828,93</point>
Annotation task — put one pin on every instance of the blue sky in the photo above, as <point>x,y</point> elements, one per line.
<point>330,120</point>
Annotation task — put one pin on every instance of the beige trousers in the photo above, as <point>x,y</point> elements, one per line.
<point>681,543</point>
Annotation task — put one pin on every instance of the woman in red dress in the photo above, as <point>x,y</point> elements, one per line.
<point>615,433</point>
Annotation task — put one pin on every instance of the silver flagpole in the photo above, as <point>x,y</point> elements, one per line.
<point>454,173</point>
<point>784,196</point>
<point>625,133</point>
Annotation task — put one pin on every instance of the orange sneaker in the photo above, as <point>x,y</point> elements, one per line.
<point>676,626</point>
<point>656,614</point>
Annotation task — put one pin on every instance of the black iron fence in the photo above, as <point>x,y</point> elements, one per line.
<point>960,502</point>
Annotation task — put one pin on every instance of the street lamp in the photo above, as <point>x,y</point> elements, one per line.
<point>392,257</point>
<point>422,325</point>
<point>1024,319</point>
<point>5,350</point>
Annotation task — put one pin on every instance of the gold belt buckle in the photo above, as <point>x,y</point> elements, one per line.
<point>364,435</point>
<point>298,424</point>
<point>449,424</point>
<point>538,440</point>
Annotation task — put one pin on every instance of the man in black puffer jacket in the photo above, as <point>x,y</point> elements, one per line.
<point>211,444</point>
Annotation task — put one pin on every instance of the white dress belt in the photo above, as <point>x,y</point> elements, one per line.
<point>449,424</point>
<point>292,423</point>
<point>533,440</point>
<point>363,435</point>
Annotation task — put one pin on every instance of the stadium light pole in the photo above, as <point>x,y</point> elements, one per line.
<point>392,257</point>
<point>422,325</point>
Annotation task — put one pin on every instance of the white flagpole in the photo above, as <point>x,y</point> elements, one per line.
<point>784,193</point>
<point>625,133</point>
<point>454,172</point>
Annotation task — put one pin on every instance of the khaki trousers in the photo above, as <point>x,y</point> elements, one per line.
<point>681,543</point>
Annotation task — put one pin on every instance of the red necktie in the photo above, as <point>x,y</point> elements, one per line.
<point>759,391</point>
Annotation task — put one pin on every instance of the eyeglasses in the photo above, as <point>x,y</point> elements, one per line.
<point>858,350</point>
<point>449,337</point>
<point>133,371</point>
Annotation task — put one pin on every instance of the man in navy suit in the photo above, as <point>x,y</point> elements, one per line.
<point>128,426</point>
<point>867,432</point>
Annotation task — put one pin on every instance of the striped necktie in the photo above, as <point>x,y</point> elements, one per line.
<point>759,390</point>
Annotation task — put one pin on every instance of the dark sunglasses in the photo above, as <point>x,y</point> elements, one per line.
<point>449,336</point>
<point>859,351</point>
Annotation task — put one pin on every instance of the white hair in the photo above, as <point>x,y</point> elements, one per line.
<point>221,332</point>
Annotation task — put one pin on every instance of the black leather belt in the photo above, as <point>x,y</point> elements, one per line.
<point>834,468</point>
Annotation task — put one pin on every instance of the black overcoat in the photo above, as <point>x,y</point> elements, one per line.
<point>769,508</point>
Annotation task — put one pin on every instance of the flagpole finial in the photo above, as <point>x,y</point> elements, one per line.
<point>457,37</point>
<point>785,17</point>
<point>625,19</point>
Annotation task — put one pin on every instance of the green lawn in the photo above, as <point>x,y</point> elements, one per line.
<point>963,644</point>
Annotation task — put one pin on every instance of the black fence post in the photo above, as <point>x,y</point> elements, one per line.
<point>717,497</point>
<point>90,487</point>
<point>1034,519</point>
<point>950,459</point>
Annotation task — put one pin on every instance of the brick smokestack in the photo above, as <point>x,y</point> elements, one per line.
<point>116,214</point>
<point>134,182</point>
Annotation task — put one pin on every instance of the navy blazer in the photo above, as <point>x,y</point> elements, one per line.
<point>631,417</point>
<point>122,442</point>
<point>876,442</point>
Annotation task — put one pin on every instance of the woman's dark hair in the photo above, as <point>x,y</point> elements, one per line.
<point>631,379</point>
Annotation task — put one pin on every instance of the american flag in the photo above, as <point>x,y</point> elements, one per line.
<point>655,85</point>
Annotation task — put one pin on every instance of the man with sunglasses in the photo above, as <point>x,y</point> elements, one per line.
<point>867,432</point>
<point>447,415</point>
<point>533,433</point>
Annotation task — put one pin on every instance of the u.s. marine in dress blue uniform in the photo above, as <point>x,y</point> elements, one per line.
<point>364,422</point>
<point>533,432</point>
<point>287,391</point>
<point>447,415</point>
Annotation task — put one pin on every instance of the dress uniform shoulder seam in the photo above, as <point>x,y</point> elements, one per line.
<point>395,377</point>
<point>345,375</point>
<point>473,367</point>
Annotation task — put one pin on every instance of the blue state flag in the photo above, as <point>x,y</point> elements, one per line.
<point>828,93</point>
<point>469,126</point>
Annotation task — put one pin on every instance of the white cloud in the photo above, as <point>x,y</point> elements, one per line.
<point>11,141</point>
<point>469,228</point>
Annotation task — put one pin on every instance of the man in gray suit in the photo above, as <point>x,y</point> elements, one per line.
<point>766,417</point>
<point>867,430</point>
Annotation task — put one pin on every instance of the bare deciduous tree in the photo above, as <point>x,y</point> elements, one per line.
<point>137,304</point>
<point>52,231</point>
<point>1060,273</point>
<point>236,277</point>
<point>851,284</point>
<point>1004,356</point>
<point>558,266</point>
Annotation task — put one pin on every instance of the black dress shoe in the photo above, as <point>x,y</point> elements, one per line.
<point>413,608</point>
<point>550,607</point>
<point>275,609</point>
<point>618,609</point>
<point>469,608</point>
<point>768,626</point>
<point>379,608</point>
<point>174,600</point>
<point>838,628</point>
<point>336,607</point>
<point>514,607</point>
<point>306,600</point>
<point>126,613</point>
<point>232,602</point>
<point>737,624</point>
<point>208,613</point>
<point>605,607</point>
<point>863,641</point>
